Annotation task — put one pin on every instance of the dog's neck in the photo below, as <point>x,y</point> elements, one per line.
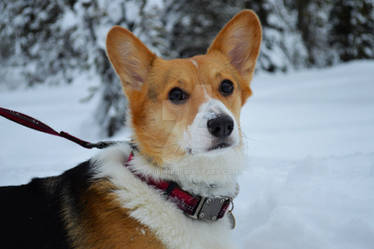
<point>214,174</point>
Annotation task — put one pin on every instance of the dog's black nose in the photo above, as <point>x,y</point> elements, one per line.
<point>221,126</point>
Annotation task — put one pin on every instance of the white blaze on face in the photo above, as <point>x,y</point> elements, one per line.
<point>197,138</point>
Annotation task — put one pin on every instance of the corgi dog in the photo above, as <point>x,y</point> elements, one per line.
<point>173,186</point>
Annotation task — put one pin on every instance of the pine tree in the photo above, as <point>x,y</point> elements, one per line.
<point>282,47</point>
<point>30,30</point>
<point>56,41</point>
<point>351,33</point>
<point>311,24</point>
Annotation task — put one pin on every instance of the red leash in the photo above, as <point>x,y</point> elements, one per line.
<point>196,207</point>
<point>35,124</point>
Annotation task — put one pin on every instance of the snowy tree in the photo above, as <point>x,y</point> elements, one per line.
<point>194,23</point>
<point>311,23</point>
<point>55,42</point>
<point>64,40</point>
<point>282,48</point>
<point>30,34</point>
<point>351,32</point>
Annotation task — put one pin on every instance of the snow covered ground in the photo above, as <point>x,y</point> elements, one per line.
<point>310,144</point>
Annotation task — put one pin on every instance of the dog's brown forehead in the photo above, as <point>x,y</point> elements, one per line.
<point>199,71</point>
<point>171,73</point>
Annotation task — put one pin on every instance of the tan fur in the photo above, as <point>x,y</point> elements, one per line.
<point>105,225</point>
<point>240,41</point>
<point>159,125</point>
<point>147,79</point>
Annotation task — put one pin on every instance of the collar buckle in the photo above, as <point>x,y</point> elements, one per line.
<point>211,209</point>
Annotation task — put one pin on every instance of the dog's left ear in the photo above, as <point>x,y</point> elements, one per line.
<point>240,41</point>
<point>130,58</point>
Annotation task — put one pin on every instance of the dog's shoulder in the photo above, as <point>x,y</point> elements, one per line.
<point>77,209</point>
<point>32,214</point>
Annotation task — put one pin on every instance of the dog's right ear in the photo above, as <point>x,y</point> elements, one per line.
<point>130,58</point>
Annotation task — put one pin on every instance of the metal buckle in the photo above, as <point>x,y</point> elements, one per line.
<point>208,209</point>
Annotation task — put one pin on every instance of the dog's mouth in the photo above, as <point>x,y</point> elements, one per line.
<point>219,146</point>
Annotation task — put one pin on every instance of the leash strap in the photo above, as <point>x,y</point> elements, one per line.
<point>35,124</point>
<point>196,207</point>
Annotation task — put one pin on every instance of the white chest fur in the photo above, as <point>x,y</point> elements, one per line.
<point>149,207</point>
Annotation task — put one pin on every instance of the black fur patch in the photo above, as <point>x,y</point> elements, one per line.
<point>31,215</point>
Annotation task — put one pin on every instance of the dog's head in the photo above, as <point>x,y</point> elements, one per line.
<point>186,107</point>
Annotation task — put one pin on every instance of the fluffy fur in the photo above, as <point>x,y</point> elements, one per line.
<point>101,204</point>
<point>149,207</point>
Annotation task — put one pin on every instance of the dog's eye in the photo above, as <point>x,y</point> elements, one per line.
<point>178,96</point>
<point>226,88</point>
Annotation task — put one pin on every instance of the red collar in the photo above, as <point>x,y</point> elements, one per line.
<point>194,206</point>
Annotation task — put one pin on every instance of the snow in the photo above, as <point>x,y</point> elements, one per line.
<point>69,19</point>
<point>26,153</point>
<point>310,180</point>
<point>310,144</point>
